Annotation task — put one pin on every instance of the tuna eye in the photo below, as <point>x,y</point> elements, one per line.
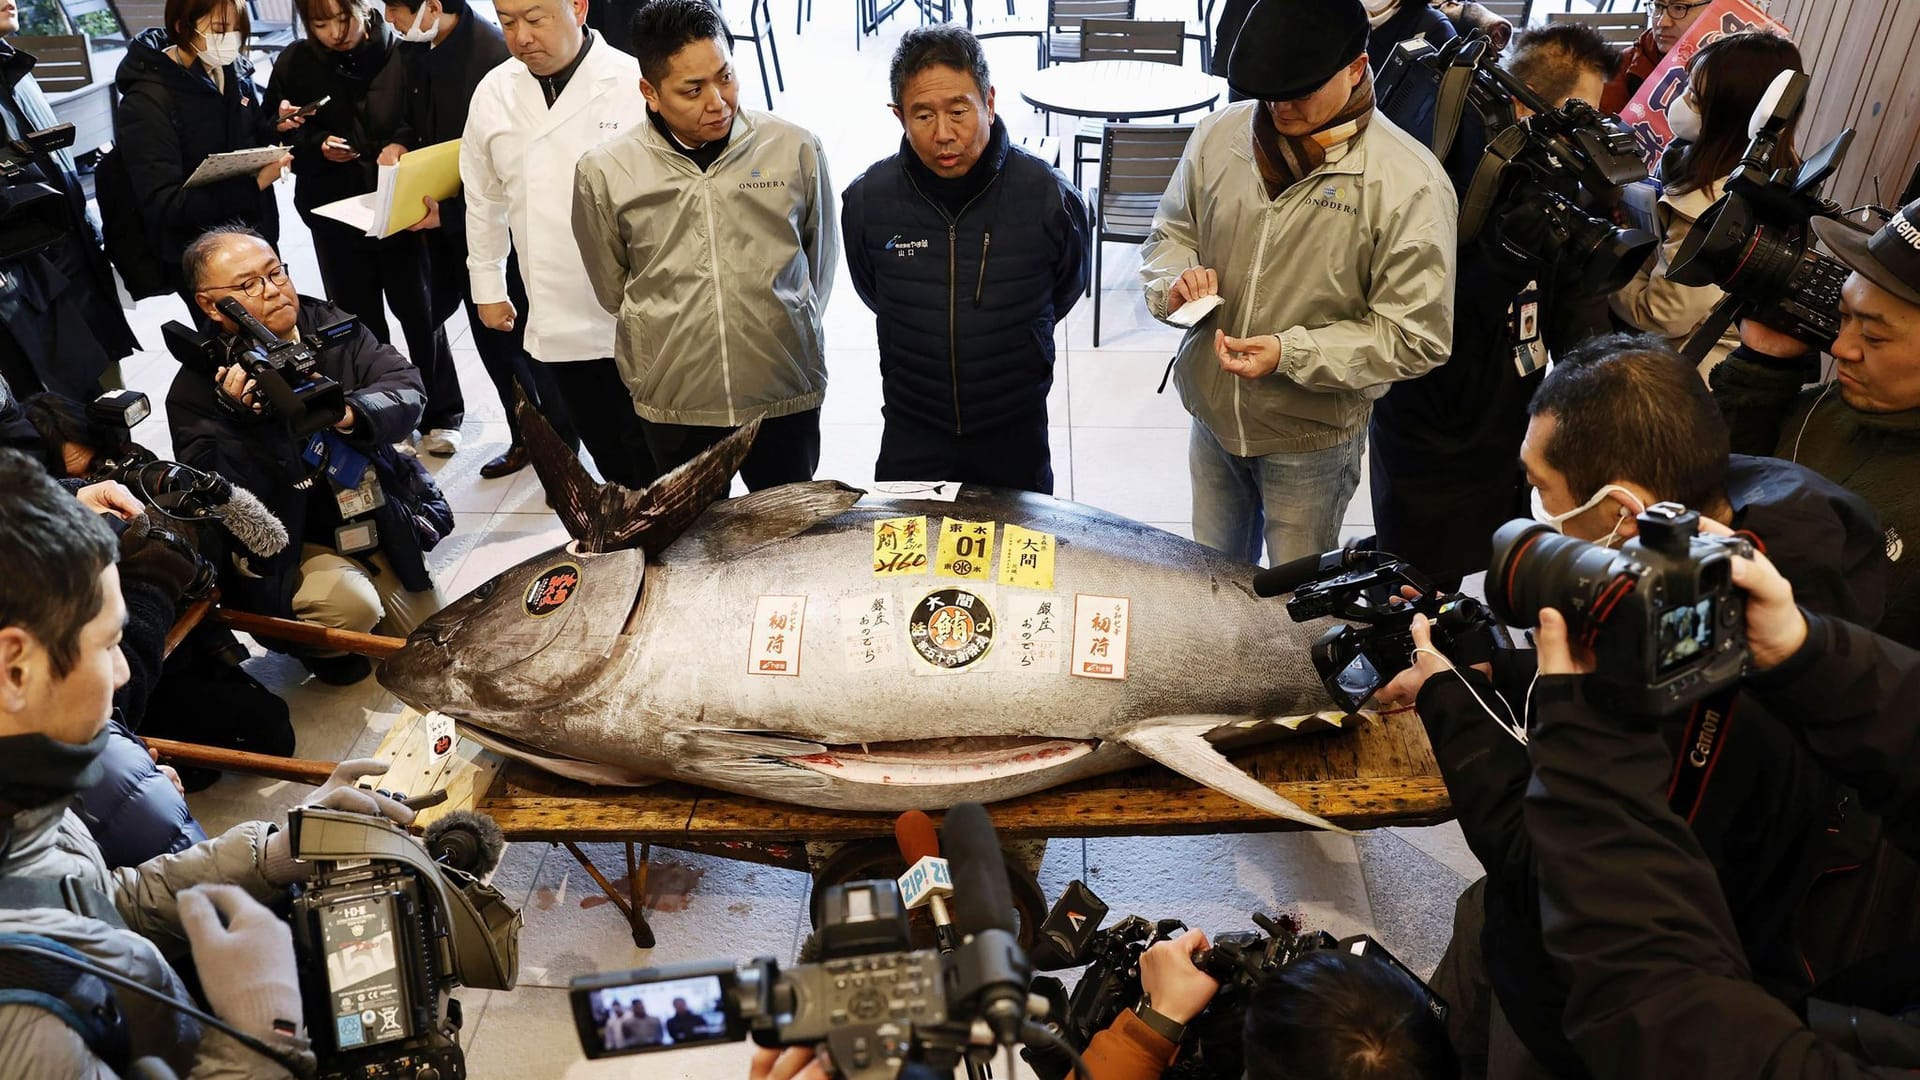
<point>485,589</point>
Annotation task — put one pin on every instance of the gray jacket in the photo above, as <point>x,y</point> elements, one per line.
<point>717,279</point>
<point>53,843</point>
<point>1352,268</point>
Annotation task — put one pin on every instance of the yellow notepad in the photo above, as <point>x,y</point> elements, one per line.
<point>396,203</point>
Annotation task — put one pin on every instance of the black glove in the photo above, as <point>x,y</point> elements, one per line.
<point>159,557</point>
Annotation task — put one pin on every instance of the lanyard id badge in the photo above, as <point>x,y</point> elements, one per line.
<point>363,498</point>
<point>1523,318</point>
<point>355,537</point>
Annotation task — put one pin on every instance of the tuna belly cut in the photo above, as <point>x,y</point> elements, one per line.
<point>940,762</point>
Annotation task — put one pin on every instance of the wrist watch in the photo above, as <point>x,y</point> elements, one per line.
<point>1164,1026</point>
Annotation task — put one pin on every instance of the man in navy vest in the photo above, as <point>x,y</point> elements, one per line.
<point>968,249</point>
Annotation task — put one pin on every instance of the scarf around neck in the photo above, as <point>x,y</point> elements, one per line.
<point>1285,159</point>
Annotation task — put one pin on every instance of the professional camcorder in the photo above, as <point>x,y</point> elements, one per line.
<point>285,373</point>
<point>1370,588</point>
<point>1665,622</point>
<point>386,929</point>
<point>871,1005</point>
<point>1526,174</point>
<point>1756,242</point>
<point>1212,1047</point>
<point>33,212</point>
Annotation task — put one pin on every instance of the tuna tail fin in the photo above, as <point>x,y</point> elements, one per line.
<point>1180,744</point>
<point>608,516</point>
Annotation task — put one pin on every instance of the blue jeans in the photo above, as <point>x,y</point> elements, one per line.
<point>1295,502</point>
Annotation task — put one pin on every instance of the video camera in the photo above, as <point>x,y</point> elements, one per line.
<point>1662,615</point>
<point>1756,242</point>
<point>871,1005</point>
<point>1213,1045</point>
<point>1525,174</point>
<point>385,931</point>
<point>1370,588</point>
<point>33,212</point>
<point>285,373</point>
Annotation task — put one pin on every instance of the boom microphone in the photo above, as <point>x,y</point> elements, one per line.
<point>990,968</point>
<point>928,880</point>
<point>1289,576</point>
<point>189,494</point>
<point>251,523</point>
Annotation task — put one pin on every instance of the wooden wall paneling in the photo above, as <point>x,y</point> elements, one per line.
<point>1877,108</point>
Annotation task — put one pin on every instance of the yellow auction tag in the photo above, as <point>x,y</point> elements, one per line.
<point>1026,558</point>
<point>966,549</point>
<point>899,546</point>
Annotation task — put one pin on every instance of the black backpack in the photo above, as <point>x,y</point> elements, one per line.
<point>123,228</point>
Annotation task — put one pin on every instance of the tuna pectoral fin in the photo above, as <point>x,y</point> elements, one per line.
<point>609,517</point>
<point>1179,743</point>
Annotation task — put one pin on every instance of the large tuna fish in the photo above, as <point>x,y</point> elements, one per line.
<point>754,645</point>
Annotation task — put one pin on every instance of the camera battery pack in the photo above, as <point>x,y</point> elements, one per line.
<point>361,942</point>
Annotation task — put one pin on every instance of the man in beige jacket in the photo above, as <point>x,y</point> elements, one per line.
<point>1328,235</point>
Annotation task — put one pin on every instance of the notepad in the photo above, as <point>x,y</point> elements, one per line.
<point>1194,310</point>
<point>395,204</point>
<point>217,167</point>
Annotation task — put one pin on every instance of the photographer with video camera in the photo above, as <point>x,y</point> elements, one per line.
<point>1662,978</point>
<point>1619,425</point>
<point>307,424</point>
<point>88,953</point>
<point>1726,79</point>
<point>1861,428</point>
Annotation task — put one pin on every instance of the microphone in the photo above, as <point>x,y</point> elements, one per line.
<point>989,970</point>
<point>1070,926</point>
<point>466,841</point>
<point>928,881</point>
<point>1289,576</point>
<point>251,523</point>
<point>189,494</point>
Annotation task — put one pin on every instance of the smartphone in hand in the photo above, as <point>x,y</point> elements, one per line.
<point>305,111</point>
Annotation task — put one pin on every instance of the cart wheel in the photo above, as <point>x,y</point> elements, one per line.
<point>867,859</point>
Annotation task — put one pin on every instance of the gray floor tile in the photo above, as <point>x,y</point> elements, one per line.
<point>1412,897</point>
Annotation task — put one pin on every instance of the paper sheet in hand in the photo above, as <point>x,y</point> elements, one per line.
<point>218,167</point>
<point>432,172</point>
<point>1194,310</point>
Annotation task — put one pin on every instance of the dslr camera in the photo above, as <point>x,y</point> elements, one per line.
<point>1213,1045</point>
<point>384,932</point>
<point>1520,180</point>
<point>285,373</point>
<point>1665,622</point>
<point>1756,243</point>
<point>1370,588</point>
<point>33,211</point>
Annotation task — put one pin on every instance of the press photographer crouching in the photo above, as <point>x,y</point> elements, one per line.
<point>1620,425</point>
<point>1663,980</point>
<point>1861,428</point>
<point>302,409</point>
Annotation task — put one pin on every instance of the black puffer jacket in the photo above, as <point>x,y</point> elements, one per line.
<point>366,90</point>
<point>169,120</point>
<point>440,81</point>
<point>966,303</point>
<point>385,393</point>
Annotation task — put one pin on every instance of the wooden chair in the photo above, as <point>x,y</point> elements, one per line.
<point>1061,43</point>
<point>61,62</point>
<point>1621,28</point>
<point>1123,39</point>
<point>138,15</point>
<point>1136,163</point>
<point>78,12</point>
<point>275,26</point>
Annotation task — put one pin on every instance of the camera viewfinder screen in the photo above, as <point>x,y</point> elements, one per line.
<point>648,1016</point>
<point>1685,633</point>
<point>1359,679</point>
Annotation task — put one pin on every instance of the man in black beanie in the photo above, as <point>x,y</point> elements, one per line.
<point>1332,260</point>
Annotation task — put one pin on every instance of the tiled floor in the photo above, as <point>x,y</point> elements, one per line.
<point>1117,444</point>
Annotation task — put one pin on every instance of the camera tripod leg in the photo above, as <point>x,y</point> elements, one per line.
<point>634,909</point>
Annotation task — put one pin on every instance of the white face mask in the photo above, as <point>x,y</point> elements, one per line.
<point>421,32</point>
<point>1559,521</point>
<point>219,50</point>
<point>1683,120</point>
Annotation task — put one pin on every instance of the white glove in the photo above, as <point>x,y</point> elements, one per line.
<point>340,792</point>
<point>245,957</point>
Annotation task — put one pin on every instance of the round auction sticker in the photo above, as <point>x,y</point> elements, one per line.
<point>951,628</point>
<point>551,590</point>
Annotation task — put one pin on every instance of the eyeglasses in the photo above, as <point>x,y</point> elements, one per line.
<point>1675,11</point>
<point>255,285</point>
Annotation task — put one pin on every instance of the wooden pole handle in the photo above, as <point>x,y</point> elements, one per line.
<point>189,619</point>
<point>298,770</point>
<point>376,646</point>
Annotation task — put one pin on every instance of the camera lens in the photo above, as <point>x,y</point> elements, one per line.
<point>1535,567</point>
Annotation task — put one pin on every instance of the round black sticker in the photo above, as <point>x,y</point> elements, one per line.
<point>551,590</point>
<point>951,628</point>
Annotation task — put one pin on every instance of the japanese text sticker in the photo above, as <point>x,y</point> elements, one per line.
<point>1034,633</point>
<point>775,646</point>
<point>951,630</point>
<point>870,628</point>
<point>1100,625</point>
<point>1026,559</point>
<point>899,546</point>
<point>966,549</point>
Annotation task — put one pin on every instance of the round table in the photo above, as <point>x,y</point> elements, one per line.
<point>1121,89</point>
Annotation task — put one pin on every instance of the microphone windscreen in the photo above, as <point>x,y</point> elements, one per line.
<point>467,841</point>
<point>982,896</point>
<point>915,834</point>
<point>251,523</point>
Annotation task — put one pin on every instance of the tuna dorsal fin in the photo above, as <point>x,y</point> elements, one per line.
<point>607,516</point>
<point>1180,743</point>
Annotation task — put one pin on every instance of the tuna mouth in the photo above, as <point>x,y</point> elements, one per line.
<point>918,762</point>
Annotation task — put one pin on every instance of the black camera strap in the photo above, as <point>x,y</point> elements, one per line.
<point>1701,743</point>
